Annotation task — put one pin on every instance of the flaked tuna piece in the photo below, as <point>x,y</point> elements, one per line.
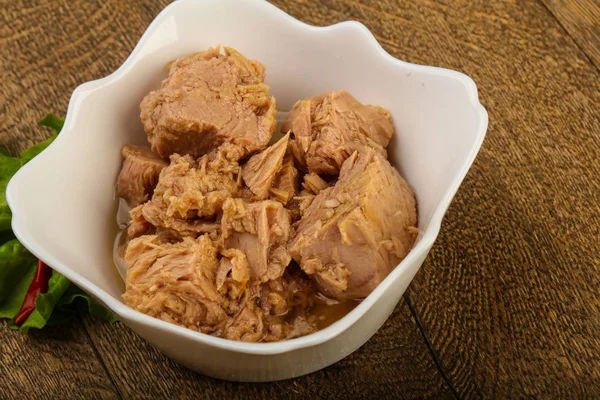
<point>313,183</point>
<point>246,326</point>
<point>354,233</point>
<point>155,213</point>
<point>287,181</point>
<point>328,128</point>
<point>175,282</point>
<point>260,170</point>
<point>235,264</point>
<point>190,188</point>
<point>179,283</point>
<point>210,99</point>
<point>261,231</point>
<point>138,225</point>
<point>286,302</point>
<point>139,175</point>
<point>233,282</point>
<point>274,310</point>
<point>292,289</point>
<point>298,204</point>
<point>190,193</point>
<point>193,284</point>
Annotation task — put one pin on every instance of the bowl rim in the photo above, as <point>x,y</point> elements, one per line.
<point>421,248</point>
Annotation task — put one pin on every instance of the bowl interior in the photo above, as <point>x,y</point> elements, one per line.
<point>64,200</point>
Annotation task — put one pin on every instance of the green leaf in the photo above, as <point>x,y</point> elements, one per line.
<point>76,299</point>
<point>17,269</point>
<point>6,236</point>
<point>52,121</point>
<point>45,303</point>
<point>8,167</point>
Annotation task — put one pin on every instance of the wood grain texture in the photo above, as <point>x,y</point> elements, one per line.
<point>394,364</point>
<point>581,19</point>
<point>507,299</point>
<point>56,363</point>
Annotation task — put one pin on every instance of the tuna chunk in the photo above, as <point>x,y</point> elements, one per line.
<point>292,289</point>
<point>155,213</point>
<point>261,231</point>
<point>354,233</point>
<point>139,174</point>
<point>234,264</point>
<point>175,282</point>
<point>260,170</point>
<point>313,183</point>
<point>191,188</point>
<point>150,220</point>
<point>328,128</point>
<point>246,326</point>
<point>207,100</point>
<point>138,225</point>
<point>287,181</point>
<point>276,309</point>
<point>286,302</point>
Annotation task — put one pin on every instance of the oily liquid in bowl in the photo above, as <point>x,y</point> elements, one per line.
<point>325,311</point>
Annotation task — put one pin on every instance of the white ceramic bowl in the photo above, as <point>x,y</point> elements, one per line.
<point>63,202</point>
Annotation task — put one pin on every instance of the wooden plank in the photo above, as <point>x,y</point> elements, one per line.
<point>395,363</point>
<point>581,19</point>
<point>56,363</point>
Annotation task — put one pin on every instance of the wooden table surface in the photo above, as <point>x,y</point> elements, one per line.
<point>507,305</point>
